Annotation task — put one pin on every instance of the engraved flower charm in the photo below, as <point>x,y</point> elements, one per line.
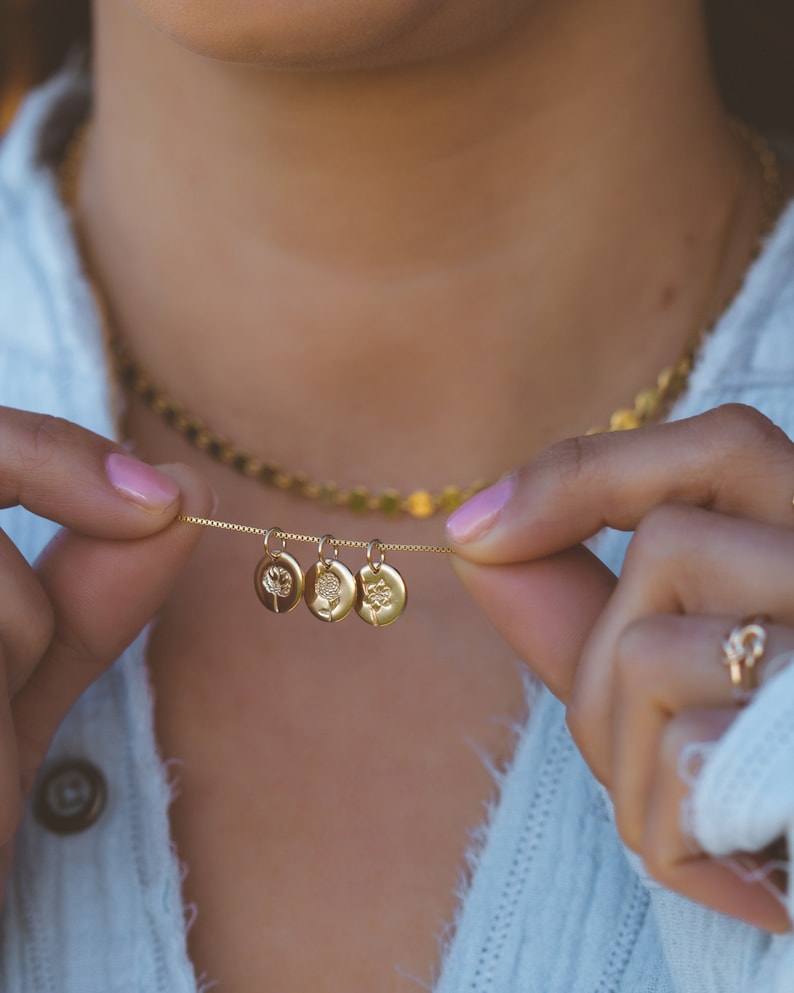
<point>377,595</point>
<point>328,587</point>
<point>278,581</point>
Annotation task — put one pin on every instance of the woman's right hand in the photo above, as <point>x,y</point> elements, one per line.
<point>66,619</point>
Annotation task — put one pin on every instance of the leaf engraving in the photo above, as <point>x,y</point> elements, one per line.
<point>278,581</point>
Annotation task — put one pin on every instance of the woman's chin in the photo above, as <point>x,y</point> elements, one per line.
<point>323,34</point>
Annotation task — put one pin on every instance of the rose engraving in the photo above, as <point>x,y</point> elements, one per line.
<point>377,595</point>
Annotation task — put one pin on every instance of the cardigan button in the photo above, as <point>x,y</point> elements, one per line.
<point>70,796</point>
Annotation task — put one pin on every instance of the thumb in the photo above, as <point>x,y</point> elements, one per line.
<point>544,609</point>
<point>103,592</point>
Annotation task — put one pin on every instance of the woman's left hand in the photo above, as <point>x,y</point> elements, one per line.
<point>637,660</point>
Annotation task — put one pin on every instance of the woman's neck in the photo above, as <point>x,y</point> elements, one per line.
<point>413,260</point>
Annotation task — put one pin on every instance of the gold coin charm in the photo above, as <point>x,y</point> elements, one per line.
<point>278,578</point>
<point>330,587</point>
<point>380,590</point>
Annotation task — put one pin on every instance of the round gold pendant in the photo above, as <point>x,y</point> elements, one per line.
<point>278,580</point>
<point>380,594</point>
<point>330,590</point>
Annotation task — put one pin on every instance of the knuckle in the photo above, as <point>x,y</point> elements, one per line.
<point>740,419</point>
<point>70,646</point>
<point>42,630</point>
<point>31,441</point>
<point>744,427</point>
<point>568,461</point>
<point>25,647</point>
<point>74,650</point>
<point>636,651</point>
<point>27,617</point>
<point>736,442</point>
<point>47,435</point>
<point>34,450</point>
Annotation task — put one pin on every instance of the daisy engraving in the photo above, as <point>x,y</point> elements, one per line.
<point>278,581</point>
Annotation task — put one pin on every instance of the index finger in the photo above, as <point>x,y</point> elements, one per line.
<point>76,478</point>
<point>732,459</point>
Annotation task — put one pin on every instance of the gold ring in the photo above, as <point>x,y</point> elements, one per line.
<point>741,651</point>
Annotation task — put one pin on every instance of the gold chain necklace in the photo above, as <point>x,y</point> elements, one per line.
<point>649,403</point>
<point>377,592</point>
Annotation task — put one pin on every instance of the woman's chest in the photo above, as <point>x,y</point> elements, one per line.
<point>326,797</point>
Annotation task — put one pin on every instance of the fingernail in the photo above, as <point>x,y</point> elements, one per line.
<point>478,515</point>
<point>140,483</point>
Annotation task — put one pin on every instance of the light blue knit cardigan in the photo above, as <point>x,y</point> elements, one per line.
<point>552,903</point>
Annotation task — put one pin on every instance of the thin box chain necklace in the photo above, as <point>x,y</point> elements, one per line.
<point>377,593</point>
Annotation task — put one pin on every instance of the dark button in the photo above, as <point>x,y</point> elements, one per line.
<point>70,796</point>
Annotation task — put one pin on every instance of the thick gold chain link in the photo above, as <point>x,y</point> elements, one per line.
<point>649,404</point>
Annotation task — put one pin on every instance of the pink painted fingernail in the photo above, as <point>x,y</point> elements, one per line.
<point>478,515</point>
<point>140,483</point>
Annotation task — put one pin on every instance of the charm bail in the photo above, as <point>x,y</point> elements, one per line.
<point>278,577</point>
<point>381,594</point>
<point>330,587</point>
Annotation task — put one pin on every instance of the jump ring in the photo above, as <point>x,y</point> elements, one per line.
<point>271,533</point>
<point>325,539</point>
<point>373,546</point>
